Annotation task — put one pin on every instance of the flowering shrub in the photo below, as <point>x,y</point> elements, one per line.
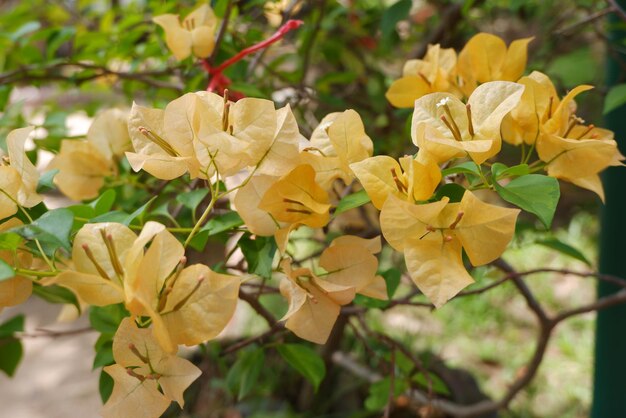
<point>216,165</point>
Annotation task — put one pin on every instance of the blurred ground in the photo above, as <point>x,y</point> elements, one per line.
<point>54,378</point>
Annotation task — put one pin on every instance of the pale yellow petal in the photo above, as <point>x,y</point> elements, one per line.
<point>15,291</point>
<point>27,194</point>
<point>176,376</point>
<point>484,230</point>
<point>9,186</point>
<point>348,265</point>
<point>315,319</point>
<point>93,289</point>
<point>400,220</point>
<point>203,41</point>
<point>132,397</point>
<point>90,235</point>
<point>246,203</point>
<point>376,176</point>
<point>436,267</point>
<point>297,198</point>
<point>82,169</point>
<point>403,92</point>
<point>373,245</point>
<point>178,40</point>
<point>109,133</point>
<point>376,289</point>
<point>515,61</point>
<point>283,155</point>
<point>348,137</point>
<point>208,302</point>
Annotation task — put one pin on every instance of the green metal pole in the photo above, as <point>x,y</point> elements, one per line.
<point>609,388</point>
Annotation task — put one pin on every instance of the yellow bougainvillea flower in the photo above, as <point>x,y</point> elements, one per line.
<point>83,165</point>
<point>248,133</point>
<point>109,133</point>
<point>9,186</point>
<point>315,300</point>
<point>485,58</point>
<point>112,265</point>
<point>273,10</point>
<point>539,100</point>
<point>409,179</point>
<point>432,237</point>
<point>82,169</point>
<point>297,199</point>
<point>16,289</point>
<point>18,176</point>
<point>196,34</point>
<point>98,253</point>
<point>283,152</point>
<point>434,73</point>
<point>444,128</point>
<point>573,151</point>
<point>246,203</point>
<point>163,139</point>
<point>337,142</point>
<point>580,156</point>
<point>187,305</point>
<point>146,379</point>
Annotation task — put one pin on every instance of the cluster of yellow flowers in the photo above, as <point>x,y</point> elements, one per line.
<point>253,155</point>
<point>569,149</point>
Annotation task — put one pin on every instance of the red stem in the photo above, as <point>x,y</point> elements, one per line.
<point>280,33</point>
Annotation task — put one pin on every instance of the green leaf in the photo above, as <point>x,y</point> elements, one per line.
<point>115,216</point>
<point>259,254</point>
<point>222,223</point>
<point>46,181</point>
<point>564,248</point>
<point>11,326</point>
<point>352,201</point>
<point>500,170</point>
<point>437,385</point>
<point>452,190</point>
<point>104,202</point>
<point>392,278</point>
<point>244,374</point>
<point>192,199</point>
<point>25,29</point>
<point>305,361</point>
<point>104,355</point>
<point>138,213</point>
<point>535,193</point>
<point>52,230</point>
<point>379,393</point>
<point>56,294</point>
<point>106,319</point>
<point>394,14</point>
<point>9,241</point>
<point>10,354</point>
<point>6,271</point>
<point>468,167</point>
<point>10,347</point>
<point>105,386</point>
<point>574,68</point>
<point>615,98</point>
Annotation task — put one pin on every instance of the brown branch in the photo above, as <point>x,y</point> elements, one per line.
<point>46,333</point>
<point>308,48</point>
<point>450,18</point>
<point>221,32</point>
<point>276,329</point>
<point>617,9</point>
<point>587,19</point>
<point>31,73</point>
<point>258,307</point>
